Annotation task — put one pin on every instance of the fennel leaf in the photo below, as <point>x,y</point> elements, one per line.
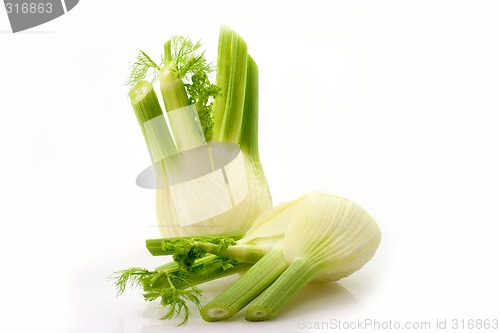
<point>143,68</point>
<point>184,58</point>
<point>175,283</point>
<point>170,287</point>
<point>202,94</point>
<point>187,250</point>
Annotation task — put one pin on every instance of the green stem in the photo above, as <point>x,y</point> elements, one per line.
<point>184,122</point>
<point>167,50</point>
<point>223,71</point>
<point>155,246</point>
<point>249,136</point>
<point>244,290</point>
<point>172,90</point>
<point>174,266</point>
<point>150,60</point>
<point>231,78</point>
<point>205,275</point>
<point>246,253</point>
<point>150,117</point>
<point>296,276</point>
<point>199,278</point>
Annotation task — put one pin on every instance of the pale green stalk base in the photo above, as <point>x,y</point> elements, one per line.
<point>244,290</point>
<point>296,276</point>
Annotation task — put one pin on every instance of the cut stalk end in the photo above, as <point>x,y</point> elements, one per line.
<point>248,287</point>
<point>259,313</point>
<point>294,278</point>
<point>139,91</point>
<point>144,101</point>
<point>216,313</point>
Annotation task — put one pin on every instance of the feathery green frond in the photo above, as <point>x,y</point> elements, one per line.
<point>143,68</point>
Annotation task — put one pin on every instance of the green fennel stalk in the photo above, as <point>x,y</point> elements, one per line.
<point>175,283</point>
<point>231,77</point>
<point>239,295</point>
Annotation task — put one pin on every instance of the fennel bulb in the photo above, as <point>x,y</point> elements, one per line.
<point>326,237</point>
<point>220,200</point>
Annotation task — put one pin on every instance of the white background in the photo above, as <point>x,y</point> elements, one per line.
<point>393,104</point>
